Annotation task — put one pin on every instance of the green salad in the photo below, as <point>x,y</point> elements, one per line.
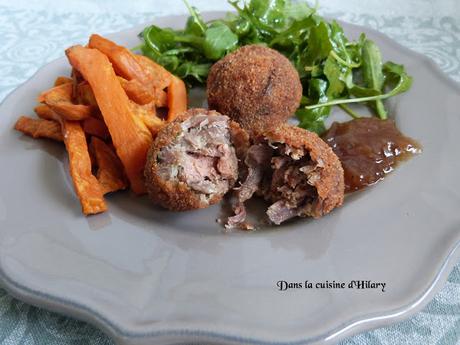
<point>334,71</point>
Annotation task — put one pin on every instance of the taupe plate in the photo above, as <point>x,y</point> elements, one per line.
<point>147,276</point>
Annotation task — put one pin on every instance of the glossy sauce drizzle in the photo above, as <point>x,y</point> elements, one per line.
<point>369,148</point>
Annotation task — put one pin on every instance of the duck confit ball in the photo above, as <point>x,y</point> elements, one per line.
<point>294,170</point>
<point>193,161</point>
<point>256,86</point>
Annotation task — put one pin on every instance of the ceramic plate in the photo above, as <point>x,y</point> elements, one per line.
<point>148,276</point>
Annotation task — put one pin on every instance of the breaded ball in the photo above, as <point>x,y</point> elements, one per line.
<point>293,169</point>
<point>193,161</point>
<point>255,86</point>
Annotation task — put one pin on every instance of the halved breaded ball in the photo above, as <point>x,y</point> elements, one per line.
<point>193,161</point>
<point>256,86</point>
<point>296,171</point>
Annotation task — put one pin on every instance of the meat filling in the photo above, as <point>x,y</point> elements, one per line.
<point>202,156</point>
<point>257,158</point>
<point>284,176</point>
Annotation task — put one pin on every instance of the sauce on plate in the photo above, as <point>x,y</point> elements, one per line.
<point>369,148</point>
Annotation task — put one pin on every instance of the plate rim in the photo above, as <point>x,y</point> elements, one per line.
<point>346,329</point>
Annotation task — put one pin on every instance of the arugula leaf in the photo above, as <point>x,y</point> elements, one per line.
<point>360,91</point>
<point>197,71</point>
<point>313,119</point>
<point>404,82</point>
<point>219,40</point>
<point>195,24</point>
<point>319,44</point>
<point>158,39</point>
<point>372,72</point>
<point>269,12</point>
<point>297,11</point>
<point>335,75</point>
<point>396,76</point>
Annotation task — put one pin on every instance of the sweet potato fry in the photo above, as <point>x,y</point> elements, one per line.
<point>161,98</point>
<point>110,172</point>
<point>143,95</point>
<point>96,127</point>
<point>76,80</point>
<point>123,60</point>
<point>59,99</point>
<point>162,77</point>
<point>131,138</point>
<point>85,183</point>
<point>131,66</point>
<point>177,98</point>
<point>44,112</point>
<point>84,94</point>
<point>39,128</point>
<point>87,187</point>
<point>148,116</point>
<point>62,80</point>
<point>136,91</point>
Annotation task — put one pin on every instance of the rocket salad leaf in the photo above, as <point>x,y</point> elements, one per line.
<point>333,70</point>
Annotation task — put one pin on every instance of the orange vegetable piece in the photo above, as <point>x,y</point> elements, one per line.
<point>123,60</point>
<point>147,114</point>
<point>76,79</point>
<point>131,66</point>
<point>110,172</point>
<point>162,77</point>
<point>96,127</point>
<point>143,95</point>
<point>39,128</point>
<point>161,98</point>
<point>59,99</point>
<point>85,183</point>
<point>62,80</point>
<point>136,91</point>
<point>44,112</point>
<point>84,94</point>
<point>130,137</point>
<point>177,98</point>
<point>87,187</point>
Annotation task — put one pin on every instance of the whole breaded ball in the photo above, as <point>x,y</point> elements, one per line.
<point>256,86</point>
<point>194,160</point>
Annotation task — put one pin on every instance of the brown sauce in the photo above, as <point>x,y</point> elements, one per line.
<point>369,148</point>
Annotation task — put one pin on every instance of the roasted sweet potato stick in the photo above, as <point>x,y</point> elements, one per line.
<point>136,91</point>
<point>143,95</point>
<point>87,187</point>
<point>162,77</point>
<point>44,112</point>
<point>148,116</point>
<point>161,98</point>
<point>39,128</point>
<point>95,127</point>
<point>76,80</point>
<point>62,80</point>
<point>130,137</point>
<point>123,60</point>
<point>110,172</point>
<point>84,94</point>
<point>131,66</point>
<point>177,98</point>
<point>59,99</point>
